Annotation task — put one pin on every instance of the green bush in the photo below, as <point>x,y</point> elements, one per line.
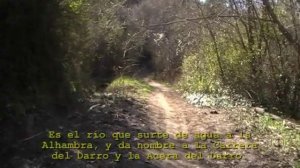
<point>200,73</point>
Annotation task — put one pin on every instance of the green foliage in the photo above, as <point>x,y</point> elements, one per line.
<point>289,138</point>
<point>129,85</point>
<point>275,133</point>
<point>75,5</point>
<point>249,57</point>
<point>52,49</point>
<point>200,72</point>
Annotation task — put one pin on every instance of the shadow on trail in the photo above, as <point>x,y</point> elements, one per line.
<point>164,111</point>
<point>121,115</point>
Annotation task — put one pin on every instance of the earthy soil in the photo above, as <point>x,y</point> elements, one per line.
<point>164,110</point>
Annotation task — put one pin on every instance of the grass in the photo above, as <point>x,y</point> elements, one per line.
<point>297,164</point>
<point>129,86</point>
<point>277,134</point>
<point>289,137</point>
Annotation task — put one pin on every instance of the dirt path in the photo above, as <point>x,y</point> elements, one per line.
<point>164,111</point>
<point>173,114</point>
<point>174,118</point>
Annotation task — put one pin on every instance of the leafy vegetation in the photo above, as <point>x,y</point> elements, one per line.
<point>199,74</point>
<point>224,53</point>
<point>128,85</point>
<point>275,134</point>
<point>250,49</point>
<point>55,53</point>
<point>253,55</point>
<point>289,137</point>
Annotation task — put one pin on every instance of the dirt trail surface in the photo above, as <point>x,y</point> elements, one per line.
<point>173,114</point>
<point>163,111</point>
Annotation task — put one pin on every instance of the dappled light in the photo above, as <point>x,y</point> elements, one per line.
<point>150,84</point>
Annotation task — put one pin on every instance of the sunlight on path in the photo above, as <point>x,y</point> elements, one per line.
<point>172,114</point>
<point>174,121</point>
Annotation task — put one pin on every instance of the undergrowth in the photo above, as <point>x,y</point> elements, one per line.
<point>274,133</point>
<point>129,86</point>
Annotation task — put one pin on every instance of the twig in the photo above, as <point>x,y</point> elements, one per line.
<point>31,137</point>
<point>93,106</point>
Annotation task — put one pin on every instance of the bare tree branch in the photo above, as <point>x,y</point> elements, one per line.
<point>204,18</point>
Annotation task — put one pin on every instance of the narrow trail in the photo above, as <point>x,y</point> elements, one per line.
<point>183,117</point>
<point>164,111</point>
<point>172,114</point>
<point>174,119</point>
